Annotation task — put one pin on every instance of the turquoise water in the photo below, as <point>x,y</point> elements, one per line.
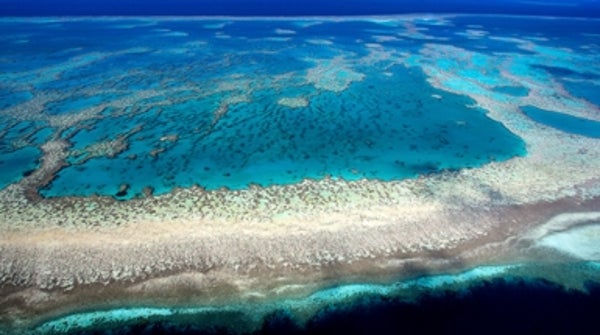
<point>564,122</point>
<point>359,133</point>
<point>19,150</point>
<point>148,105</point>
<point>235,103</point>
<point>16,163</point>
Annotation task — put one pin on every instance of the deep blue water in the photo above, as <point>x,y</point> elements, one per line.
<point>564,122</point>
<point>584,90</point>
<point>585,8</point>
<point>509,305</point>
<point>501,306</point>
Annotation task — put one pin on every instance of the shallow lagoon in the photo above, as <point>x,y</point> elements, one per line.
<point>243,102</point>
<point>362,132</point>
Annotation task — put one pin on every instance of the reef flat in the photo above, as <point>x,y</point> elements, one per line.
<point>240,165</point>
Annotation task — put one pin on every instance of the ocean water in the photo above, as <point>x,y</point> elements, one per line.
<point>147,105</point>
<point>493,299</point>
<point>231,104</point>
<point>584,8</point>
<point>566,123</point>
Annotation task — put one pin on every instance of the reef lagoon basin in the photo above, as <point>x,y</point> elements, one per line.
<point>270,174</point>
